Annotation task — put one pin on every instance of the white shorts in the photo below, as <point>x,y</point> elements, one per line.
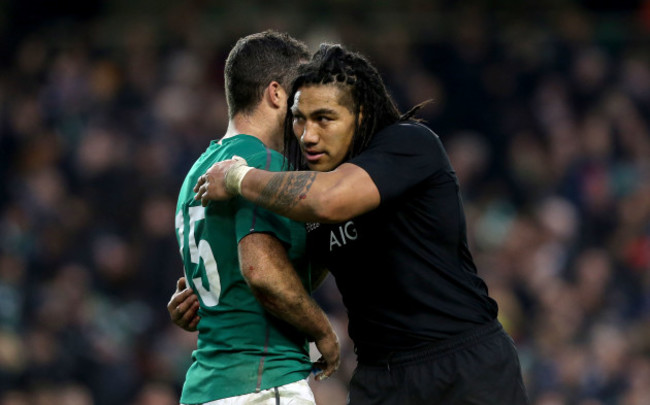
<point>296,393</point>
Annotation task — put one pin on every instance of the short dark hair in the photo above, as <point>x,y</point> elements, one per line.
<point>364,93</point>
<point>255,61</point>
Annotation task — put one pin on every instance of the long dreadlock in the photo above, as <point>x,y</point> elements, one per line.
<point>351,72</point>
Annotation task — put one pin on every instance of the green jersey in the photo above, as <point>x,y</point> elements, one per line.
<point>241,347</point>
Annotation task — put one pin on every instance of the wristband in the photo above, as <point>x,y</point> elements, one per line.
<point>235,175</point>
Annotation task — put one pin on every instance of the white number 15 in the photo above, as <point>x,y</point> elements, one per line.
<point>210,297</point>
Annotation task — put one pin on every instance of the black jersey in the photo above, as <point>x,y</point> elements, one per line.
<point>404,269</point>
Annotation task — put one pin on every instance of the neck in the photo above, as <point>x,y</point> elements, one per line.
<point>264,128</point>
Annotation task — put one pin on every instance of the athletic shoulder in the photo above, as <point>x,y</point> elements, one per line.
<point>408,130</point>
<point>257,154</point>
<point>406,135</point>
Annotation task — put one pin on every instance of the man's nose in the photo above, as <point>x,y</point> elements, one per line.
<point>309,134</point>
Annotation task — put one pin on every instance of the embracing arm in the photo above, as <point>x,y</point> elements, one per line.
<point>274,282</point>
<point>335,196</point>
<point>325,197</point>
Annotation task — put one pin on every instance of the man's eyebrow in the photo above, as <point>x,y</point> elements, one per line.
<point>322,111</point>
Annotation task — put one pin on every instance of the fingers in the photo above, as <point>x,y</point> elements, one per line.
<point>179,297</point>
<point>185,314</point>
<point>181,284</point>
<point>188,300</point>
<point>327,369</point>
<point>330,359</point>
<point>201,191</point>
<point>180,303</point>
<point>193,324</point>
<point>189,315</point>
<point>319,368</point>
<point>199,183</point>
<point>202,184</point>
<point>183,307</point>
<point>211,185</point>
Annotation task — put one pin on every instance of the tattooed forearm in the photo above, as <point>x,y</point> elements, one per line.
<point>285,190</point>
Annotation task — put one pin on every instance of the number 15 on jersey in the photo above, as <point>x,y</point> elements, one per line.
<point>201,255</point>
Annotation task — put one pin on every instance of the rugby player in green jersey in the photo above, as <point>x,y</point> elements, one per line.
<point>245,266</point>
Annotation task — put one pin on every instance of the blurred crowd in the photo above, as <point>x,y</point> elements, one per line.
<point>104,106</point>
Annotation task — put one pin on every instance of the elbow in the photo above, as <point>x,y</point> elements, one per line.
<point>255,279</point>
<point>262,291</point>
<point>271,295</point>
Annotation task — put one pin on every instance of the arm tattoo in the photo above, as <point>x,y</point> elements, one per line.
<point>285,190</point>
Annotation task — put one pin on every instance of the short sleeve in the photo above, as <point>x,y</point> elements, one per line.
<point>251,218</point>
<point>400,157</point>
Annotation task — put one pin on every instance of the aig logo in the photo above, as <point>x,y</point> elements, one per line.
<point>341,236</point>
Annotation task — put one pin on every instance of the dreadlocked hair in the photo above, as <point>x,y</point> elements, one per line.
<point>357,77</point>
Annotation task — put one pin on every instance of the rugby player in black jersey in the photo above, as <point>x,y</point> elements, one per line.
<point>387,219</point>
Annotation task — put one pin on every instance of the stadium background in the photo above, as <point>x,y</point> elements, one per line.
<point>544,108</point>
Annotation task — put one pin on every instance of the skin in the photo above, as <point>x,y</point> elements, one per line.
<point>183,306</point>
<point>269,274</point>
<point>323,129</point>
<point>267,270</point>
<point>263,260</point>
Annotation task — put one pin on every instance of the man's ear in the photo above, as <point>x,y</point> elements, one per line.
<point>275,94</point>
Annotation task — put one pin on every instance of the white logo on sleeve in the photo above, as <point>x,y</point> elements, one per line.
<point>311,226</point>
<point>341,235</point>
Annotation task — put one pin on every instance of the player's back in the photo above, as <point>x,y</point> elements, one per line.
<point>241,348</point>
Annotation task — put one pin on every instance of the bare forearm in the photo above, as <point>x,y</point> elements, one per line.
<point>299,310</point>
<point>325,197</point>
<point>286,193</point>
<point>276,285</point>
